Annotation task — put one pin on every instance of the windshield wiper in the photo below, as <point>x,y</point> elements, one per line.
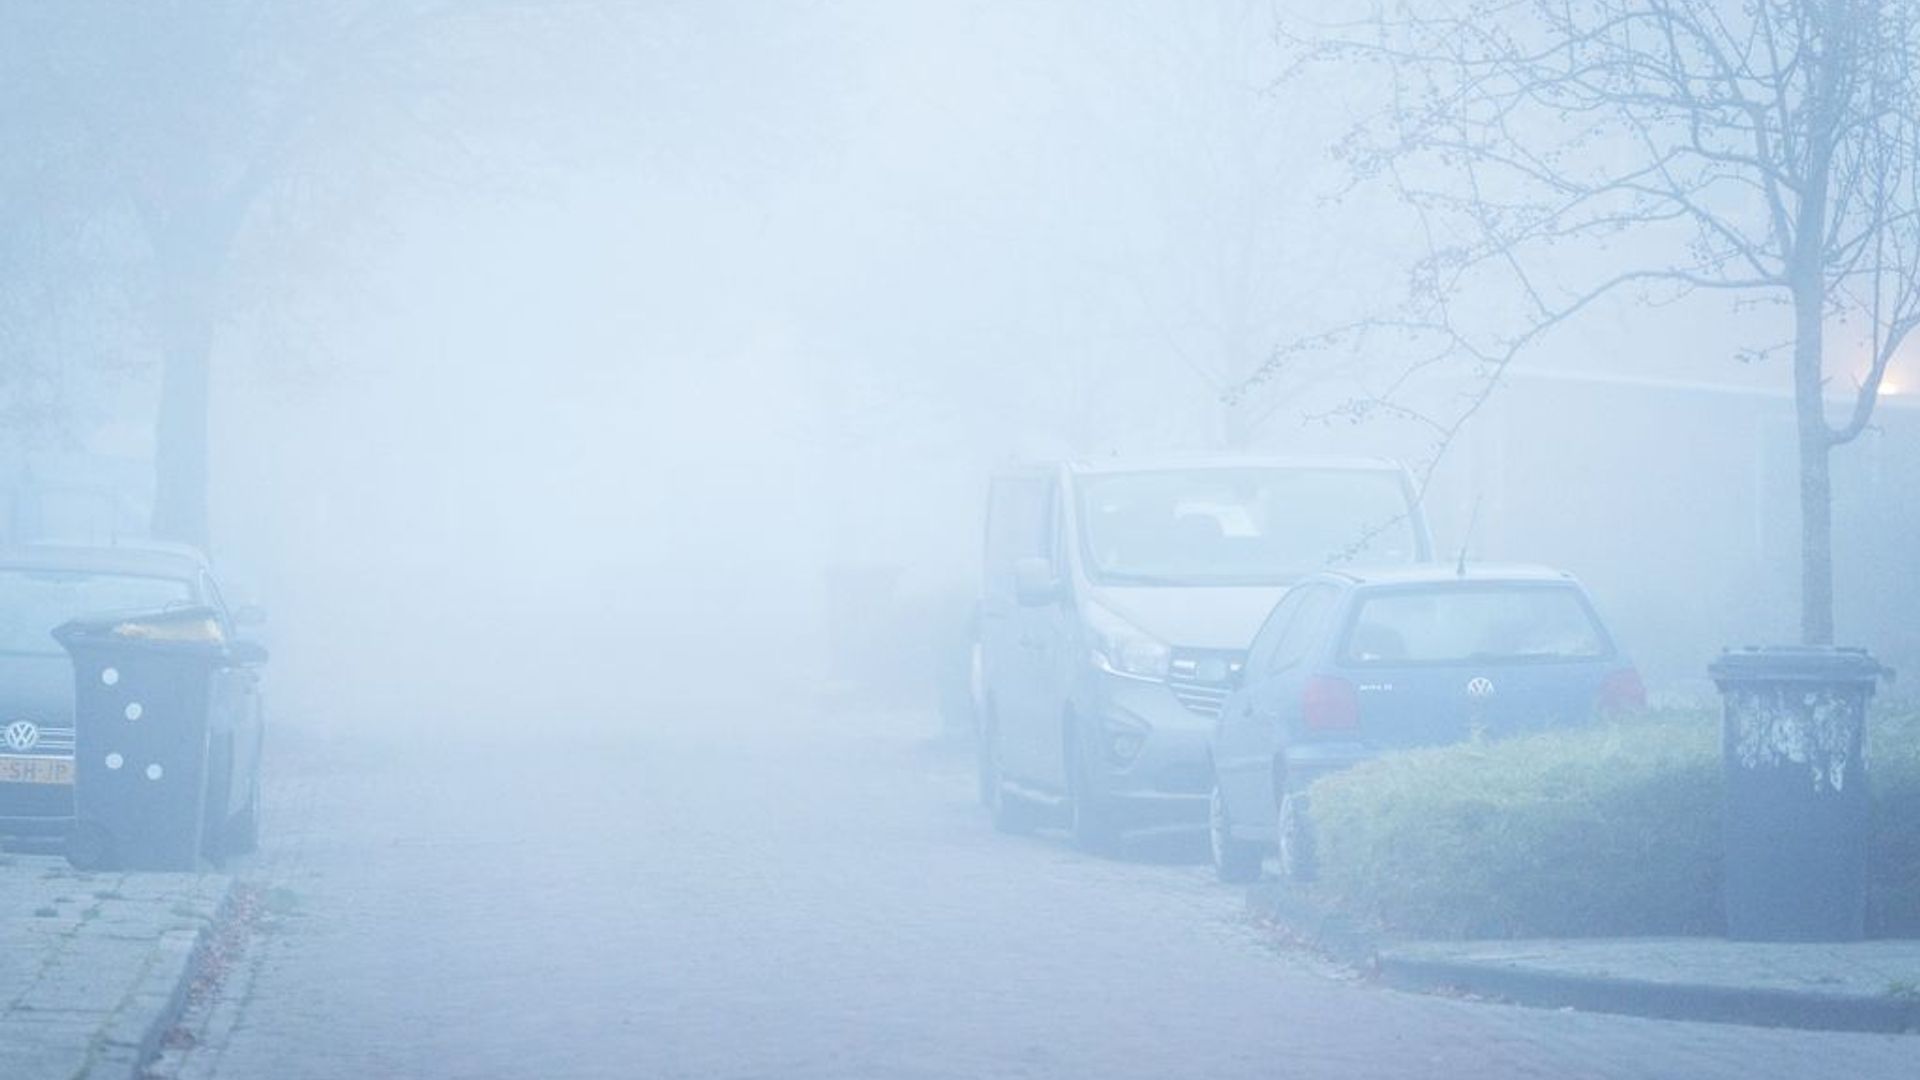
<point>1112,578</point>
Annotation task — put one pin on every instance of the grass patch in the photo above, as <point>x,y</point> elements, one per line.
<point>1608,830</point>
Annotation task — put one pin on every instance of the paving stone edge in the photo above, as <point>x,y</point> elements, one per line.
<point>1335,936</point>
<point>132,1038</point>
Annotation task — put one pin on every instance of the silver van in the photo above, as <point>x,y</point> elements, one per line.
<point>1118,602</point>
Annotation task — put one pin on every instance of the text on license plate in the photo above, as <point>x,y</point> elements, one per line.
<point>15,769</point>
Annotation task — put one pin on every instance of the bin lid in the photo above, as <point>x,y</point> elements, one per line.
<point>194,628</point>
<point>1797,663</point>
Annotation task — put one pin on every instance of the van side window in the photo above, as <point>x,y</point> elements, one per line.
<point>1304,629</point>
<point>1019,526</point>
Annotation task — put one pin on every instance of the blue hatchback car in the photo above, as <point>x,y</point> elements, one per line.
<point>1355,662</point>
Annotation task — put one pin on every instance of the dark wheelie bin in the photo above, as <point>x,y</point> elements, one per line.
<point>140,736</point>
<point>1797,813</point>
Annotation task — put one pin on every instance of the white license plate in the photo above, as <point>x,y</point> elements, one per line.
<point>16,769</point>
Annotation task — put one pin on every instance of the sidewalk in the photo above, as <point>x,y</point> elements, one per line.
<point>1863,986</point>
<point>94,966</point>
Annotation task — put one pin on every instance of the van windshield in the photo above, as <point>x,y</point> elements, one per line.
<point>1241,526</point>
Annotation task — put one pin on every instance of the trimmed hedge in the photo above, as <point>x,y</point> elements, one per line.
<point>1608,830</point>
<point>1893,762</point>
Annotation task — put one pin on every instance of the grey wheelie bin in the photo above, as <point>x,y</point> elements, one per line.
<point>1797,812</point>
<point>140,736</point>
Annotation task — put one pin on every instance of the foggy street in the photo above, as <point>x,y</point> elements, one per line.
<point>960,539</point>
<point>816,898</point>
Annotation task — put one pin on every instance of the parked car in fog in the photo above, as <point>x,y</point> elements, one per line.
<point>1118,601</point>
<point>42,587</point>
<point>1352,663</point>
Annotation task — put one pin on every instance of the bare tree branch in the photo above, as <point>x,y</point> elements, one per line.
<point>1766,148</point>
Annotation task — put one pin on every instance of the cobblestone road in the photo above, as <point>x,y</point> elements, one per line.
<point>820,904</point>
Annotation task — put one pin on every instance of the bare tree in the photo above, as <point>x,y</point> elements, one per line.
<point>211,140</point>
<point>58,320</point>
<point>1564,154</point>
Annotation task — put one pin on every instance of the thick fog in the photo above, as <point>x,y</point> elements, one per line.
<point>567,354</point>
<point>603,399</point>
<point>756,300</point>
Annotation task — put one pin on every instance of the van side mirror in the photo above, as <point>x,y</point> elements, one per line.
<point>250,616</point>
<point>1035,584</point>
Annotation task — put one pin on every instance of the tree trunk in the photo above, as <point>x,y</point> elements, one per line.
<point>1816,485</point>
<point>180,429</point>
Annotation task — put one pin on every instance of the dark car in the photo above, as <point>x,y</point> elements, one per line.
<point>1351,664</point>
<point>42,587</point>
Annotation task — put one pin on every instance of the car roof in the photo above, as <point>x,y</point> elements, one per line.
<point>1171,462</point>
<point>141,559</point>
<point>1447,573</point>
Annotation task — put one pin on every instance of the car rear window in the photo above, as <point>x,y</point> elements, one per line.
<point>1474,623</point>
<point>36,601</point>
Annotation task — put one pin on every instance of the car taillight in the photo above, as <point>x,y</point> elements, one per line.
<point>1623,692</point>
<point>1329,704</point>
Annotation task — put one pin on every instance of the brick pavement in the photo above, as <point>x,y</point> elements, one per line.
<point>93,964</point>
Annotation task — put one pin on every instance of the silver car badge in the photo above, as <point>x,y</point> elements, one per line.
<point>1480,688</point>
<point>22,735</point>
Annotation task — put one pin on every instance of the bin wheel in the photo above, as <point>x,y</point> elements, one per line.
<point>242,834</point>
<point>90,847</point>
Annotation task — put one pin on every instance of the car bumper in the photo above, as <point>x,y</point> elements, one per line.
<point>1153,751</point>
<point>35,809</point>
<point>1310,761</point>
<point>49,827</point>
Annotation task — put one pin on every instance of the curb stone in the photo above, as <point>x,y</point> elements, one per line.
<point>1335,936</point>
<point>1321,929</point>
<point>229,961</point>
<point>132,1038</point>
<point>1753,1006</point>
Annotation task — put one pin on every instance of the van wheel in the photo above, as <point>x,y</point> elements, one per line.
<point>1297,861</point>
<point>1090,816</point>
<point>1011,813</point>
<point>1235,862</point>
<point>986,767</point>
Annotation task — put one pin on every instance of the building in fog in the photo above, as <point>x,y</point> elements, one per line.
<point>1678,503</point>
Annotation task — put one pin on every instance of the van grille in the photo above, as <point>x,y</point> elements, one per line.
<point>1203,678</point>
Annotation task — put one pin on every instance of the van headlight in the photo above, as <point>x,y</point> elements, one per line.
<point>1122,648</point>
